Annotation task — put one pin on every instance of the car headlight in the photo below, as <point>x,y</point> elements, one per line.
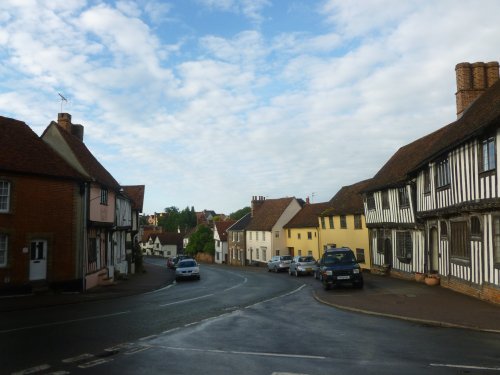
<point>356,270</point>
<point>329,273</point>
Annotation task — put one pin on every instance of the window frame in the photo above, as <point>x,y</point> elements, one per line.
<point>343,222</point>
<point>370,201</point>
<point>427,181</point>
<point>404,246</point>
<point>104,196</point>
<point>331,222</point>
<point>460,248</point>
<point>358,222</point>
<point>7,196</point>
<point>4,242</point>
<point>495,226</point>
<point>403,197</point>
<point>323,224</point>
<point>385,200</point>
<point>360,259</point>
<point>487,160</point>
<point>443,176</point>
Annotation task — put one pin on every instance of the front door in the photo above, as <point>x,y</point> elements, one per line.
<point>388,252</point>
<point>38,260</point>
<point>434,253</point>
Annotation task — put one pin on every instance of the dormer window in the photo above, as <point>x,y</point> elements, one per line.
<point>404,199</point>
<point>442,173</point>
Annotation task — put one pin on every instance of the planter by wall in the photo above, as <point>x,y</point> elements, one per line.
<point>431,280</point>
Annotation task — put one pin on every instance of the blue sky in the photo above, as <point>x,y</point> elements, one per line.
<point>210,102</point>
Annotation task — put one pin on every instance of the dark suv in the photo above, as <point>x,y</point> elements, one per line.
<point>338,266</point>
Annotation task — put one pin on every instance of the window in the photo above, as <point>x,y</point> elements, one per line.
<point>309,252</point>
<point>427,181</point>
<point>360,255</point>
<point>104,196</point>
<point>264,253</point>
<point>370,201</point>
<point>404,200</point>
<point>487,162</point>
<point>343,222</point>
<point>357,222</point>
<point>444,229</point>
<point>442,173</point>
<point>300,252</point>
<point>257,253</point>
<point>475,227</point>
<point>3,249</point>
<point>277,234</point>
<point>277,252</point>
<point>309,235</point>
<point>459,244</point>
<point>323,226</point>
<point>385,200</point>
<point>256,236</point>
<point>496,240</point>
<point>4,196</point>
<point>289,233</point>
<point>263,236</point>
<point>298,236</point>
<point>404,246</point>
<point>250,235</point>
<point>330,219</point>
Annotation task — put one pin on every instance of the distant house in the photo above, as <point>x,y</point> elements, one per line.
<point>220,238</point>
<point>302,232</point>
<point>342,224</point>
<point>100,194</point>
<point>236,241</point>
<point>434,207</point>
<point>167,245</point>
<point>265,236</point>
<point>42,213</point>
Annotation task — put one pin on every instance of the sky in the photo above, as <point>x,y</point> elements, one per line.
<point>210,102</point>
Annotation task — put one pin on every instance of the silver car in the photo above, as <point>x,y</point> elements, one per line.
<point>187,269</point>
<point>279,263</point>
<point>302,265</point>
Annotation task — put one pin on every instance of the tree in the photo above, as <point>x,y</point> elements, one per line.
<point>240,213</point>
<point>201,241</point>
<point>174,220</point>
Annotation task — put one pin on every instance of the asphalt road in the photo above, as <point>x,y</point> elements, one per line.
<point>232,322</point>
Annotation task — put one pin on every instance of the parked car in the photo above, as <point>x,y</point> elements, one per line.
<point>279,263</point>
<point>187,269</point>
<point>338,266</point>
<point>302,265</point>
<point>178,258</point>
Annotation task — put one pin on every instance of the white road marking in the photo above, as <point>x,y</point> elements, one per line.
<point>32,370</point>
<point>260,354</point>
<point>160,290</point>
<point>277,297</point>
<point>80,357</point>
<point>148,337</point>
<point>137,350</point>
<point>64,322</point>
<point>186,300</point>
<point>62,372</point>
<point>97,362</point>
<point>466,367</point>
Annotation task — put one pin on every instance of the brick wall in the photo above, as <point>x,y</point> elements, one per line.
<point>45,209</point>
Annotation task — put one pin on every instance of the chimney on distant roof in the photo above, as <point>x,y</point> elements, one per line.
<point>472,81</point>
<point>64,121</point>
<point>257,201</point>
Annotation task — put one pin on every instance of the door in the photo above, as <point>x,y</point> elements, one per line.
<point>38,260</point>
<point>434,251</point>
<point>388,252</point>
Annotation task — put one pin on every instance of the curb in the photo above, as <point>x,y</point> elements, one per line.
<point>405,318</point>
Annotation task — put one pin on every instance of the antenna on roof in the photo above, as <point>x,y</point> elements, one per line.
<point>63,99</point>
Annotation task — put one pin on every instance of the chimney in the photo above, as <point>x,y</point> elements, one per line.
<point>64,121</point>
<point>257,201</point>
<point>472,81</point>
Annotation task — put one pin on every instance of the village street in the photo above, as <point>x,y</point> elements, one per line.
<point>233,321</point>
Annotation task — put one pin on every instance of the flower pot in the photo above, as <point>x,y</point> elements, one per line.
<point>431,280</point>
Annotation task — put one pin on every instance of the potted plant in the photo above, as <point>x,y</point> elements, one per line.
<point>419,277</point>
<point>432,279</point>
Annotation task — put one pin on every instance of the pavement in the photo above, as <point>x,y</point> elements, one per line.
<point>382,296</point>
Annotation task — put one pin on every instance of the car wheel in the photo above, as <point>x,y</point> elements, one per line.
<point>290,272</point>
<point>275,269</point>
<point>268,269</point>
<point>296,273</point>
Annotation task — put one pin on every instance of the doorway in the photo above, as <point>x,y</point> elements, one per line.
<point>388,253</point>
<point>38,260</point>
<point>433,250</point>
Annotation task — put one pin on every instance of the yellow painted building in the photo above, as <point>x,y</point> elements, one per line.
<point>343,224</point>
<point>302,231</point>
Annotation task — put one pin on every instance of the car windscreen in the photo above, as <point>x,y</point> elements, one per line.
<point>287,257</point>
<point>339,258</point>
<point>187,264</point>
<point>306,259</point>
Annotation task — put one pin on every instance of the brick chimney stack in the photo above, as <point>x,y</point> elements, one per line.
<point>64,121</point>
<point>257,201</point>
<point>472,80</point>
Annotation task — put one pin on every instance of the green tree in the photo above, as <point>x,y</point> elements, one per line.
<point>174,220</point>
<point>201,241</point>
<point>240,213</point>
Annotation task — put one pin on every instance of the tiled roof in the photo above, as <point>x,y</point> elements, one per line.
<point>307,217</point>
<point>22,151</point>
<point>136,193</point>
<point>348,200</point>
<point>268,214</point>
<point>169,238</point>
<point>87,160</point>
<point>480,116</point>
<point>222,227</point>
<point>241,224</point>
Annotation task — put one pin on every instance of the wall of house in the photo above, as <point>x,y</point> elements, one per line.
<point>349,237</point>
<point>236,248</point>
<point>101,213</point>
<point>41,209</point>
<point>394,213</point>
<point>259,246</point>
<point>297,240</point>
